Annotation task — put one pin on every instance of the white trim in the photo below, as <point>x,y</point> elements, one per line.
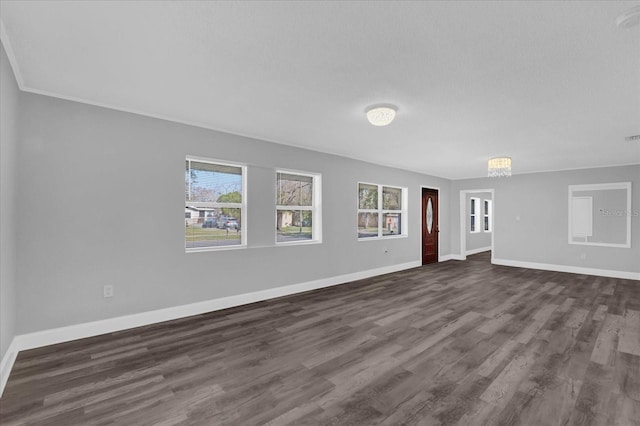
<point>447,257</point>
<point>95,328</point>
<point>463,219</point>
<point>600,187</point>
<point>487,213</point>
<point>242,205</point>
<point>214,161</point>
<point>474,214</point>
<point>315,208</point>
<point>216,248</point>
<point>477,250</point>
<point>7,363</point>
<point>293,243</point>
<point>570,269</point>
<point>380,211</point>
<point>605,166</point>
<point>386,237</point>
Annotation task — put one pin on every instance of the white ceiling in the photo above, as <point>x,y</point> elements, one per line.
<point>555,85</point>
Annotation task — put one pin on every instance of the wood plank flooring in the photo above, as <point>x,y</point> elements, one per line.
<point>463,343</point>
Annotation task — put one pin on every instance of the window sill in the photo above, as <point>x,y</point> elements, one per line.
<point>297,243</point>
<point>220,248</point>
<point>390,237</point>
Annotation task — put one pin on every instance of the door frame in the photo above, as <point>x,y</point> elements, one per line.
<point>434,188</point>
<point>463,219</point>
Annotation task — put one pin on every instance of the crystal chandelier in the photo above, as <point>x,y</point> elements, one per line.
<point>499,167</point>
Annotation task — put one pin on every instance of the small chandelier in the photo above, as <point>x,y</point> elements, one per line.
<point>381,115</point>
<point>499,167</point>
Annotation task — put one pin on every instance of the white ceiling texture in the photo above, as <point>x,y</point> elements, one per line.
<point>555,85</point>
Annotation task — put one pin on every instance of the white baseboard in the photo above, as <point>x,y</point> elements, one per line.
<point>478,250</point>
<point>450,257</point>
<point>571,269</point>
<point>95,328</point>
<point>7,363</point>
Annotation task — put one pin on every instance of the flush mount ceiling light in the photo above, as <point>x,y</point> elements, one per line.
<point>381,115</point>
<point>629,18</point>
<point>499,167</point>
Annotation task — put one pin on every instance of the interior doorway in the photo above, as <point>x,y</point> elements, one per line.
<point>430,228</point>
<point>477,221</point>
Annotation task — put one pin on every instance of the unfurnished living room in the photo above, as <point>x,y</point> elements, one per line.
<point>395,213</point>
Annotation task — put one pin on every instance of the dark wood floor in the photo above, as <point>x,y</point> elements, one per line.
<point>450,343</point>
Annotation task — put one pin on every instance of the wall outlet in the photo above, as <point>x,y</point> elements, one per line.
<point>107,291</point>
<point>583,256</point>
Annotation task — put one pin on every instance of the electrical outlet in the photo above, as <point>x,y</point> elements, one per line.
<point>583,256</point>
<point>107,291</point>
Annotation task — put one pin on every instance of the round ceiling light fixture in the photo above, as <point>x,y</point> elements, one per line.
<point>381,115</point>
<point>629,18</point>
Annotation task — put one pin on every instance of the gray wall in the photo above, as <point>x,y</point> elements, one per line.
<point>480,239</point>
<point>540,200</point>
<point>8,150</point>
<point>101,202</point>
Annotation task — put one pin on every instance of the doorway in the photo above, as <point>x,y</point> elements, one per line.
<point>477,222</point>
<point>430,228</point>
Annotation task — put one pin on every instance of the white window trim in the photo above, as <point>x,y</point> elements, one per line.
<point>487,213</point>
<point>475,214</point>
<point>242,206</point>
<point>598,187</point>
<point>381,212</point>
<point>316,208</point>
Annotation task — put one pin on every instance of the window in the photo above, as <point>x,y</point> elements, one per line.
<point>215,199</point>
<point>474,226</point>
<point>298,217</point>
<point>381,216</point>
<point>487,216</point>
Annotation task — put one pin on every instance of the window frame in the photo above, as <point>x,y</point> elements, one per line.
<point>380,211</point>
<point>473,214</point>
<point>487,210</point>
<point>627,212</point>
<point>315,208</point>
<point>242,206</point>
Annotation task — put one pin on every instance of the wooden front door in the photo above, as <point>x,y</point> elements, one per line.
<point>430,228</point>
